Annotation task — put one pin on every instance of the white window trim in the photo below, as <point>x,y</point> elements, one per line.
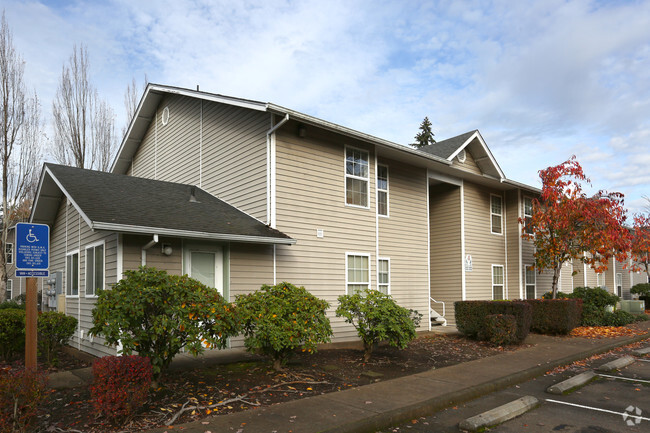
<point>387,190</point>
<point>347,282</point>
<point>501,215</point>
<point>618,277</point>
<point>103,285</point>
<point>345,173</point>
<point>377,267</point>
<point>68,254</point>
<point>11,248</point>
<point>534,281</point>
<point>601,276</point>
<point>503,284</point>
<point>524,210</point>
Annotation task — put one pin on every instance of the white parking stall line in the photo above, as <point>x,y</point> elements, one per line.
<point>623,378</point>
<point>628,415</point>
<point>642,359</point>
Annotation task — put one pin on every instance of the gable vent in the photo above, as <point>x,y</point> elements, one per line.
<point>164,118</point>
<point>461,156</point>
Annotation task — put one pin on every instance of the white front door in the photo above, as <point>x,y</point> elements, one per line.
<point>205,265</point>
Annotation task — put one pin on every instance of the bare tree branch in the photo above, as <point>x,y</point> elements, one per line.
<point>21,135</point>
<point>84,125</point>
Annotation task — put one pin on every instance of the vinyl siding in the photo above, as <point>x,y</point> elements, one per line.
<point>403,236</point>
<point>218,147</point>
<point>516,276</point>
<point>469,164</point>
<point>446,251</point>
<point>311,196</point>
<point>132,254</point>
<point>486,248</point>
<point>77,236</point>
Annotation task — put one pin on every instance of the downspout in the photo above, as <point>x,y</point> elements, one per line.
<point>150,244</point>
<point>270,183</point>
<point>270,172</point>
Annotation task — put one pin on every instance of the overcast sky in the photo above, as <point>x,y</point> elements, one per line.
<point>542,80</point>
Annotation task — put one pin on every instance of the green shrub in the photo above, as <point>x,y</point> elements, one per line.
<point>12,332</point>
<point>555,316</point>
<point>592,316</point>
<point>470,316</point>
<point>21,393</point>
<point>642,289</point>
<point>500,329</point>
<point>12,305</point>
<point>157,315</point>
<point>618,318</point>
<point>558,295</point>
<point>54,330</point>
<point>121,385</point>
<point>596,296</point>
<point>279,319</point>
<point>377,317</point>
<point>594,302</point>
<point>641,317</point>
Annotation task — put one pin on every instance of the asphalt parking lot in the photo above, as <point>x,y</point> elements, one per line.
<point>613,402</point>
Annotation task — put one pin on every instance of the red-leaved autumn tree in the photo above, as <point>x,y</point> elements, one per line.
<point>568,225</point>
<point>640,243</point>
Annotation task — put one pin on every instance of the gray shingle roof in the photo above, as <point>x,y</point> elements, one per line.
<point>111,199</point>
<point>445,148</point>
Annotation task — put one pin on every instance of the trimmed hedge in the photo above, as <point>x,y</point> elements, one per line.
<point>471,316</point>
<point>555,316</point>
<point>500,329</point>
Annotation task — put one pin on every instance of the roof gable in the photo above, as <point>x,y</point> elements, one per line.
<point>136,205</point>
<point>472,141</point>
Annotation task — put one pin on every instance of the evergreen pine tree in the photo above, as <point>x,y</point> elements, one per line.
<point>425,136</point>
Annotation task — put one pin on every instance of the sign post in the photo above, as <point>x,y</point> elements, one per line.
<point>32,260</point>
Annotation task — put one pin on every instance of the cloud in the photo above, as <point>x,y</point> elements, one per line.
<point>542,80</point>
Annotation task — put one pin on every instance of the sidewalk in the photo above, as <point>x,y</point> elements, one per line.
<point>382,404</point>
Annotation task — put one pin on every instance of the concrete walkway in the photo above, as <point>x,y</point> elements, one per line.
<point>382,404</point>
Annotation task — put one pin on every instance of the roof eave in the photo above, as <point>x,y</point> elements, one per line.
<point>296,115</point>
<point>126,228</point>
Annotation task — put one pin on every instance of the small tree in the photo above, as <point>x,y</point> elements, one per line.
<point>282,318</point>
<point>425,136</point>
<point>640,243</point>
<point>377,317</point>
<point>157,315</point>
<point>567,225</point>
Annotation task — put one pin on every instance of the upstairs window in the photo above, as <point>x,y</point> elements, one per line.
<point>619,285</point>
<point>496,213</point>
<point>9,290</point>
<point>358,272</point>
<point>356,177</point>
<point>528,215</point>
<point>94,269</point>
<point>382,190</point>
<point>497,282</point>
<point>600,280</point>
<point>9,253</point>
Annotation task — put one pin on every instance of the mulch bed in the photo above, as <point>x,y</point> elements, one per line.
<point>252,384</point>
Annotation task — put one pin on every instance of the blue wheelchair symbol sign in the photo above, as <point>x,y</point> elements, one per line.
<point>32,249</point>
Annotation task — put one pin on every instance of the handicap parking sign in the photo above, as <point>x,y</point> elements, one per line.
<point>32,250</point>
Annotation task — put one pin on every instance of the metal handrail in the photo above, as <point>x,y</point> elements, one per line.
<point>438,302</point>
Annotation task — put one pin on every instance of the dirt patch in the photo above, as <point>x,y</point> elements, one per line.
<point>257,384</point>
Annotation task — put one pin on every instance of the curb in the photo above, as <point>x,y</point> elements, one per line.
<point>403,414</point>
<point>641,352</point>
<point>500,414</point>
<point>571,383</point>
<point>616,364</point>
